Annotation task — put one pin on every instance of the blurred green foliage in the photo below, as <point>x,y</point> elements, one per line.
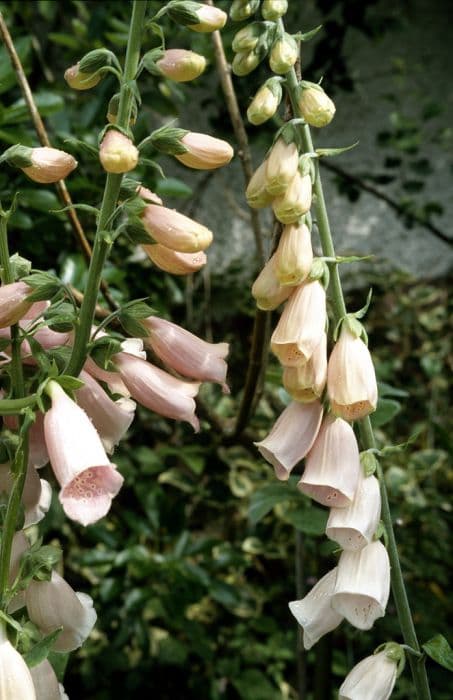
<point>192,570</point>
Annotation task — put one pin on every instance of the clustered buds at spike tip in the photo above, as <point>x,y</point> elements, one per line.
<point>316,107</point>
<point>117,153</point>
<point>204,152</point>
<point>372,678</point>
<point>15,678</point>
<point>274,9</point>
<point>78,80</point>
<point>284,54</point>
<point>173,262</point>
<point>181,65</point>
<point>265,103</point>
<point>243,9</point>
<point>174,230</point>
<point>52,604</point>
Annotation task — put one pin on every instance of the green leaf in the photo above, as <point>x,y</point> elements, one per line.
<point>439,650</point>
<point>328,152</point>
<point>385,411</point>
<point>45,285</point>
<point>46,102</point>
<point>172,187</point>
<point>138,309</point>
<point>41,650</point>
<point>8,77</point>
<point>69,383</point>
<point>306,36</point>
<point>132,326</point>
<point>39,199</point>
<point>252,683</point>
<point>265,498</point>
<point>311,521</point>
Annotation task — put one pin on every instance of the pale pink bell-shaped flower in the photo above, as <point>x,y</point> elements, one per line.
<point>88,480</point>
<point>332,466</point>
<point>187,354</point>
<point>301,326</point>
<point>13,303</point>
<point>117,153</point>
<point>294,255</point>
<point>256,193</point>
<point>49,165</point>
<point>158,390</point>
<point>281,166</point>
<point>36,496</point>
<point>15,679</point>
<point>291,437</point>
<point>363,585</point>
<point>306,382</point>
<point>351,380</point>
<point>314,612</point>
<point>173,262</point>
<point>204,152</point>
<point>209,19</point>
<point>353,527</point>
<point>295,201</point>
<point>110,418</point>
<point>267,290</point>
<point>181,65</point>
<point>373,678</point>
<point>52,604</point>
<point>46,683</point>
<point>174,230</point>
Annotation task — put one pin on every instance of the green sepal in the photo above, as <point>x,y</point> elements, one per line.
<point>19,156</point>
<point>329,152</point>
<point>150,59</point>
<point>37,563</point>
<point>20,266</point>
<point>361,312</point>
<point>138,309</point>
<point>40,651</point>
<point>96,59</point>
<point>82,147</point>
<point>182,12</point>
<point>368,462</point>
<point>45,285</point>
<point>306,36</point>
<point>69,383</point>
<point>167,140</point>
<point>102,350</point>
<point>132,326</point>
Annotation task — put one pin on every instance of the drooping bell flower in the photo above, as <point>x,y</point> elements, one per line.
<point>112,379</point>
<point>173,262</point>
<point>117,153</point>
<point>87,478</point>
<point>256,193</point>
<point>187,354</point>
<point>351,379</point>
<point>15,678</point>
<point>295,201</point>
<point>291,437</point>
<point>306,382</point>
<point>332,467</point>
<point>13,303</point>
<point>353,527</point>
<point>301,326</point>
<point>158,390</point>
<point>373,678</point>
<point>46,683</point>
<point>52,604</point>
<point>314,612</point>
<point>294,255</point>
<point>363,585</point>
<point>36,495</point>
<point>316,107</point>
<point>181,65</point>
<point>174,230</point>
<point>281,166</point>
<point>267,290</point>
<point>204,152</point>
<point>110,418</point>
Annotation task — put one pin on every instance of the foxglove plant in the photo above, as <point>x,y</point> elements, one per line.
<point>334,474</point>
<point>67,411</point>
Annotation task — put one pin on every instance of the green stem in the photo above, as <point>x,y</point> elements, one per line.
<point>102,241</point>
<point>367,437</point>
<point>19,466</point>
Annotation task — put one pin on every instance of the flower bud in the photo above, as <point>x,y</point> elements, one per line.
<point>16,681</point>
<point>351,380</point>
<point>265,103</point>
<point>52,604</point>
<point>174,230</point>
<point>245,62</point>
<point>256,193</point>
<point>117,153</point>
<point>315,106</point>
<point>332,467</point>
<point>187,354</point>
<point>267,290</point>
<point>294,256</point>
<point>43,164</point>
<point>274,9</point>
<point>204,152</point>
<point>301,326</point>
<point>363,585</point>
<point>296,200</point>
<point>13,303</point>
<point>291,437</point>
<point>284,54</point>
<point>281,166</point>
<point>112,110</point>
<point>246,39</point>
<point>306,382</point>
<point>78,80</point>
<point>372,678</point>
<point>209,19</point>
<point>315,613</point>
<point>243,9</point>
<point>353,527</point>
<point>173,262</point>
<point>181,65</point>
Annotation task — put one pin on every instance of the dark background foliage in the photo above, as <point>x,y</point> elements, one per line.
<point>192,570</point>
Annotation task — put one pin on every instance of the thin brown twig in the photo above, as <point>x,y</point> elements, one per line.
<point>62,190</point>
